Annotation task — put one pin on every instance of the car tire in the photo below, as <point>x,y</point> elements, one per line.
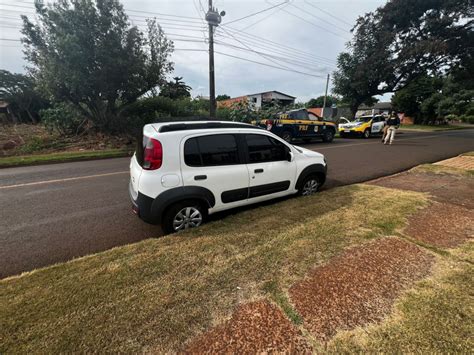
<point>310,185</point>
<point>287,136</point>
<point>328,136</point>
<point>366,133</point>
<point>342,135</point>
<point>183,215</point>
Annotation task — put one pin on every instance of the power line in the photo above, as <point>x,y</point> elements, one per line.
<point>274,46</point>
<point>263,19</point>
<point>314,24</point>
<point>250,49</point>
<point>162,14</point>
<point>328,13</point>
<point>293,57</point>
<point>10,39</point>
<point>249,35</point>
<point>256,13</point>
<point>269,65</point>
<point>191,50</point>
<point>183,19</point>
<point>320,18</point>
<point>289,61</point>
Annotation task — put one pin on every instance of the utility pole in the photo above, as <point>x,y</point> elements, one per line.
<point>325,96</point>
<point>213,19</point>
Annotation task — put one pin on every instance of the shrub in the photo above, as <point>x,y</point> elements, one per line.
<point>467,118</point>
<point>64,119</point>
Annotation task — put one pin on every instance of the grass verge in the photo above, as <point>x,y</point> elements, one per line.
<point>429,128</point>
<point>61,157</point>
<point>442,169</point>
<point>155,295</point>
<point>436,316</point>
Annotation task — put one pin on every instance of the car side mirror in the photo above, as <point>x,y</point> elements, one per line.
<point>290,156</point>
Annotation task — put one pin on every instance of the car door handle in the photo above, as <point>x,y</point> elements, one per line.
<point>258,171</point>
<point>200,177</point>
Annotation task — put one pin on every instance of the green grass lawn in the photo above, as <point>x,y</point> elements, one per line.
<point>429,128</point>
<point>61,157</point>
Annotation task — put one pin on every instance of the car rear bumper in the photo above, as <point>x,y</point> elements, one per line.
<point>141,206</point>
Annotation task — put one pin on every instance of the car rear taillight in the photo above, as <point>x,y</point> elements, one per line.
<point>152,154</point>
<point>269,124</point>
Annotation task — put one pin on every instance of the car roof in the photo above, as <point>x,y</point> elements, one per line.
<point>164,127</point>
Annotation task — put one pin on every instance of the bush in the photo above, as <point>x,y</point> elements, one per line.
<point>64,119</point>
<point>467,118</point>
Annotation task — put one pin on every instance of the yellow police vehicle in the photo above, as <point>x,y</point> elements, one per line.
<point>364,126</point>
<point>299,124</point>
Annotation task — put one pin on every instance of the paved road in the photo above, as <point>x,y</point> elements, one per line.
<point>53,213</point>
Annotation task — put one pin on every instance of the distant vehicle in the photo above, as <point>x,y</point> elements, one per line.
<point>182,172</point>
<point>343,120</point>
<point>300,124</point>
<point>364,126</point>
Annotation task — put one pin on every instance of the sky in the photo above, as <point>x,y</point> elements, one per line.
<point>301,38</point>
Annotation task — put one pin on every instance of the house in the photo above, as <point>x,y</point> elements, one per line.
<point>379,108</point>
<point>260,99</point>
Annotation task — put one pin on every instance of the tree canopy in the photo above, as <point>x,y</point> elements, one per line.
<point>222,97</point>
<point>401,41</point>
<point>19,91</point>
<point>85,52</point>
<point>176,89</point>
<point>319,101</point>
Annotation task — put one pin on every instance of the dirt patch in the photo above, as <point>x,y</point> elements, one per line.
<point>25,139</point>
<point>358,286</point>
<point>453,189</point>
<point>442,224</point>
<point>254,328</point>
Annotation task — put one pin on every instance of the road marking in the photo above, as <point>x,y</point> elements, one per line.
<point>378,142</point>
<point>61,180</point>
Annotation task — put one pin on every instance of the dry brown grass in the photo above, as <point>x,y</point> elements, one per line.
<point>157,294</point>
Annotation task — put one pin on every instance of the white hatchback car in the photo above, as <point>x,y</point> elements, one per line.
<point>185,171</point>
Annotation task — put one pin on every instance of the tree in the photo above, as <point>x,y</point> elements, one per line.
<point>429,98</point>
<point>401,41</point>
<point>86,53</point>
<point>319,101</point>
<point>176,89</point>
<point>411,97</point>
<point>222,97</point>
<point>19,91</point>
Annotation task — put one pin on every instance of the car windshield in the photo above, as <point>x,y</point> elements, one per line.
<point>363,119</point>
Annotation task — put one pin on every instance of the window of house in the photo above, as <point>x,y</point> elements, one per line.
<point>265,149</point>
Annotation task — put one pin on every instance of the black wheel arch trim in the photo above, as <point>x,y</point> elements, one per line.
<point>151,210</point>
<point>319,169</point>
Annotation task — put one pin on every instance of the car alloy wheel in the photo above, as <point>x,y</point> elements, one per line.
<point>310,187</point>
<point>188,217</point>
<point>366,133</point>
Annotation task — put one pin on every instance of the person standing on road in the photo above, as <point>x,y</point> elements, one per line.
<point>393,123</point>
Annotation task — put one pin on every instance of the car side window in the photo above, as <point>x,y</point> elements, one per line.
<point>302,115</point>
<point>213,150</point>
<point>262,148</point>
